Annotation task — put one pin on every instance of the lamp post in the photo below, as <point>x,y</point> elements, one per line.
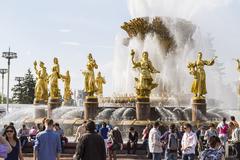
<point>19,79</point>
<point>9,55</point>
<point>3,71</point>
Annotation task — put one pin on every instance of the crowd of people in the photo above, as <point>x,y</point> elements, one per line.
<point>208,142</point>
<point>97,142</point>
<point>13,142</point>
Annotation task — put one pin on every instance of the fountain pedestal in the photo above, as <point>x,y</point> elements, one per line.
<point>90,108</point>
<point>39,102</point>
<point>198,105</point>
<point>68,103</point>
<point>143,108</point>
<point>39,112</point>
<point>52,104</point>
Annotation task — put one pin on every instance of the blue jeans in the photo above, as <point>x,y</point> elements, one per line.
<point>171,155</point>
<point>223,140</point>
<point>156,156</point>
<point>188,156</point>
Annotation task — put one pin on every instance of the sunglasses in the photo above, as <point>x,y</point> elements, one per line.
<point>9,131</point>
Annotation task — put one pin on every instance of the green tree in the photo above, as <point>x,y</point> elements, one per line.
<point>28,88</point>
<point>17,93</point>
<point>24,93</point>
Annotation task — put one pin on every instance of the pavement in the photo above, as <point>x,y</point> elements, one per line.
<point>119,157</point>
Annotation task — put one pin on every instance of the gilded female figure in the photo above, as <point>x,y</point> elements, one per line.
<point>41,91</point>
<point>67,90</point>
<point>144,84</point>
<point>89,84</point>
<point>197,70</point>
<point>100,80</point>
<point>53,81</point>
<point>56,66</point>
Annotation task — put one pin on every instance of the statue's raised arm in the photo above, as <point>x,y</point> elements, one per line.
<point>210,62</point>
<point>95,64</point>
<point>135,64</point>
<point>35,67</point>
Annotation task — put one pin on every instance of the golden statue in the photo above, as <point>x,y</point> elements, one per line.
<point>56,66</point>
<point>144,84</point>
<point>89,82</point>
<point>197,70</point>
<point>67,90</point>
<point>238,68</point>
<point>41,91</point>
<point>45,84</point>
<point>99,83</point>
<point>53,81</point>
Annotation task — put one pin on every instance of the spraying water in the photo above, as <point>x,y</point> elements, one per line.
<point>174,78</point>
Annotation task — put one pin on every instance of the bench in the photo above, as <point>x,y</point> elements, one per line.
<point>70,147</point>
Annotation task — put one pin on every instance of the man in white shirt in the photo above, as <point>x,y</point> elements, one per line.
<point>235,138</point>
<point>80,131</point>
<point>189,142</point>
<point>154,142</point>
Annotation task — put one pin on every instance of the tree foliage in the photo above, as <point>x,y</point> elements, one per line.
<point>24,92</point>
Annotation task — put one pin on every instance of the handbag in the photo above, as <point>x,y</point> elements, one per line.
<point>3,150</point>
<point>113,146</point>
<point>116,146</point>
<point>109,145</point>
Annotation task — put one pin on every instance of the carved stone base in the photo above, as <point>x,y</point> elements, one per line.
<point>39,112</point>
<point>90,108</point>
<point>68,103</point>
<point>198,105</point>
<point>143,108</point>
<point>52,104</point>
<point>39,102</point>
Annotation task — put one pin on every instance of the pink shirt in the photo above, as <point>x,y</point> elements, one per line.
<point>33,132</point>
<point>222,129</point>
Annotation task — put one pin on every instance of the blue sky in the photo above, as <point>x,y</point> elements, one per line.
<point>40,30</point>
<point>70,29</point>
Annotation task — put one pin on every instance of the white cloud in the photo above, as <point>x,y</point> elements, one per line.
<point>104,46</point>
<point>64,30</point>
<point>70,43</point>
<point>28,53</point>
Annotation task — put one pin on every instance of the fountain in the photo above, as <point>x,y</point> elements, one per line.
<point>169,43</point>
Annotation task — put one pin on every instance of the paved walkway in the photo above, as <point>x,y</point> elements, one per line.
<point>121,157</point>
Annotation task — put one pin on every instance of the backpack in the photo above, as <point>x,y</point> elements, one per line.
<point>172,142</point>
<point>210,155</point>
